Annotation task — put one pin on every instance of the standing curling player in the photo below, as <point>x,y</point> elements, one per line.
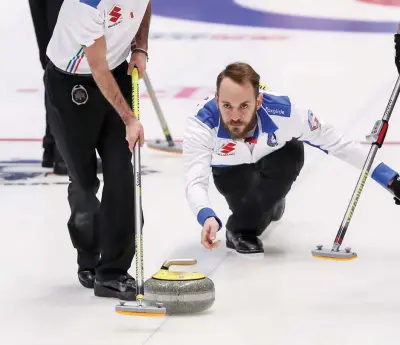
<point>251,140</point>
<point>44,17</point>
<point>89,86</point>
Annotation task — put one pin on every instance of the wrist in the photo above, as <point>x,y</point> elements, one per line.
<point>140,44</point>
<point>206,213</point>
<point>138,50</point>
<point>128,118</point>
<point>140,47</point>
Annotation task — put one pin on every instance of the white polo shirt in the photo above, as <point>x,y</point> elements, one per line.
<point>81,22</point>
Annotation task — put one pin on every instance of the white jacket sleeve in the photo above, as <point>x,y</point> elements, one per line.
<point>325,137</point>
<point>198,144</point>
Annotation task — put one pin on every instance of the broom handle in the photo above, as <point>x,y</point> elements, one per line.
<point>138,193</point>
<point>378,136</point>
<point>158,110</point>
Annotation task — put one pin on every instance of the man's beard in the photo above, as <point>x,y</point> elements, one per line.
<point>238,132</point>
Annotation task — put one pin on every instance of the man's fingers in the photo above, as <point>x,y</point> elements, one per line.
<point>130,68</point>
<point>211,245</point>
<point>213,232</point>
<point>129,142</point>
<point>208,239</point>
<point>206,244</point>
<point>204,239</point>
<point>141,137</point>
<point>131,145</point>
<point>216,244</point>
<point>141,70</point>
<point>213,236</point>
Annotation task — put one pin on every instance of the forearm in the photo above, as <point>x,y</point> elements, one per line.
<point>142,36</point>
<point>109,88</point>
<point>96,56</point>
<point>197,153</point>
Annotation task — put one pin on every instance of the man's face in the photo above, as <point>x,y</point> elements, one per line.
<point>238,107</point>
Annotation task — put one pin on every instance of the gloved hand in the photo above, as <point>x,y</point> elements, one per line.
<point>397,53</point>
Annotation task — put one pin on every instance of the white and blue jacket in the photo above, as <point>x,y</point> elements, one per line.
<point>207,144</point>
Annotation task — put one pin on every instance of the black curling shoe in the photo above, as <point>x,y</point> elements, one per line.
<point>123,288</point>
<point>48,158</point>
<point>244,243</point>
<point>86,278</point>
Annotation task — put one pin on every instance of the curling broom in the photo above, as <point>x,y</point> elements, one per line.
<point>169,145</point>
<point>141,308</point>
<point>377,138</point>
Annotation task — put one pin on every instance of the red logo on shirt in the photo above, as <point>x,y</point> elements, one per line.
<point>228,148</point>
<point>115,14</point>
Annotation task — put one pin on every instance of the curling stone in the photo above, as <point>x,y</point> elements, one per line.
<point>180,292</point>
<point>165,146</point>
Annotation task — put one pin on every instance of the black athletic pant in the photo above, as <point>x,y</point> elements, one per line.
<point>44,16</point>
<point>252,190</point>
<point>94,227</point>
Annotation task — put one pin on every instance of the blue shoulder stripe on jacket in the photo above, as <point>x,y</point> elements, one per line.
<point>276,105</point>
<point>91,3</point>
<point>209,114</point>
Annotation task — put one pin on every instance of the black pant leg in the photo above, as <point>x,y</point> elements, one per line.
<point>48,139</point>
<point>39,18</point>
<point>76,129</point>
<point>233,183</point>
<point>278,172</point>
<point>44,17</point>
<point>274,176</point>
<point>43,34</point>
<point>51,9</point>
<point>117,217</point>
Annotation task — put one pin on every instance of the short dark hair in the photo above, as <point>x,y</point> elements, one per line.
<point>240,73</point>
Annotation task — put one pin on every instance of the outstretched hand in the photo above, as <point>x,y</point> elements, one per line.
<point>209,234</point>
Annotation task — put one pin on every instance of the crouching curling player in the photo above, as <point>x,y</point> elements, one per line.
<point>251,140</point>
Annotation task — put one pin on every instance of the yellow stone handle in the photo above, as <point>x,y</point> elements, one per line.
<point>178,262</point>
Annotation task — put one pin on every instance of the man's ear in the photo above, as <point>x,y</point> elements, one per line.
<point>259,100</point>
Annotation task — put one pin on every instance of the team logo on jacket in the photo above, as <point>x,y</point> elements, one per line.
<point>79,95</point>
<point>313,121</point>
<point>275,111</point>
<point>227,149</point>
<point>115,16</point>
<point>271,141</point>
